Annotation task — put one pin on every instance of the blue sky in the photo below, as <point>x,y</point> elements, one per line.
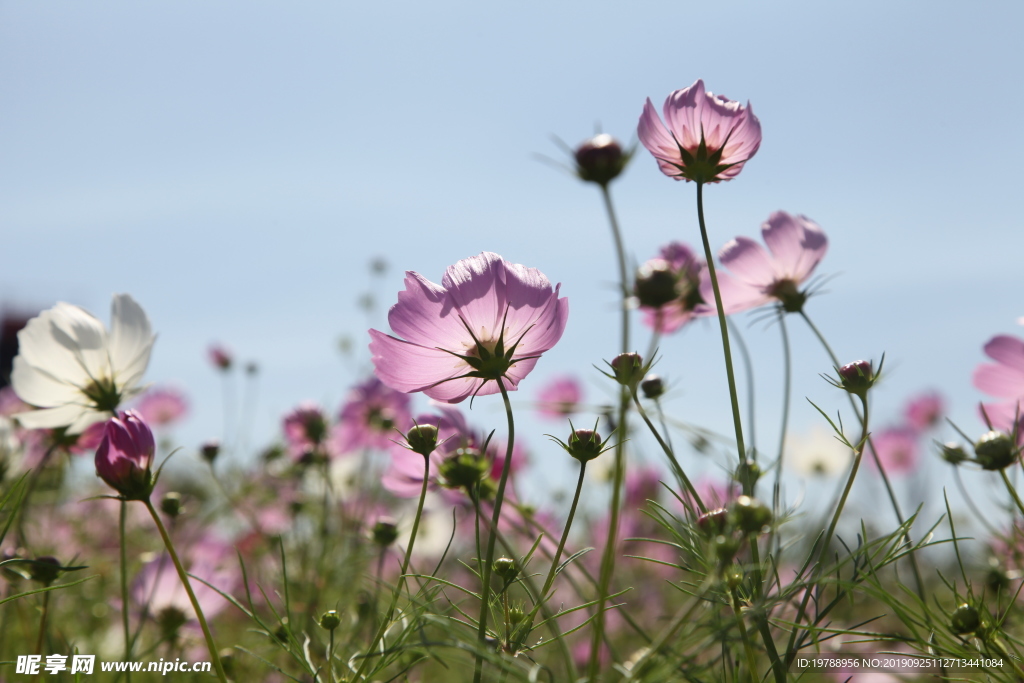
<point>236,165</point>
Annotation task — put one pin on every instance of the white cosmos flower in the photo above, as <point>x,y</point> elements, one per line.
<point>74,371</point>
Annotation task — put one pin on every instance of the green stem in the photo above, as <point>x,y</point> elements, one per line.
<point>42,623</point>
<point>330,657</point>
<point>787,362</point>
<point>211,646</point>
<point>747,646</point>
<point>382,629</point>
<point>620,253</point>
<point>748,488</point>
<point>748,371</point>
<point>565,535</point>
<point>1013,492</point>
<point>676,467</point>
<point>499,497</point>
<point>124,590</point>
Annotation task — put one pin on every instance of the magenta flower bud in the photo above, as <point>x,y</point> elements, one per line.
<point>220,357</point>
<point>585,444</point>
<point>125,456</point>
<point>857,377</point>
<point>713,522</point>
<point>600,159</point>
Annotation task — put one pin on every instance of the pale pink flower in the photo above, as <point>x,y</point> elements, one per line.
<point>372,417</point>
<point>488,321</point>
<point>797,245</point>
<point>560,397</point>
<point>1003,379</point>
<point>687,270</point>
<point>925,411</point>
<point>706,138</point>
<point>162,406</point>
<point>897,449</point>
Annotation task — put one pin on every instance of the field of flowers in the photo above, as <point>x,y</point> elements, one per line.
<point>375,543</point>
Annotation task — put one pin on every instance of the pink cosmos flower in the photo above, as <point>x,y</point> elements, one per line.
<point>797,245</point>
<point>706,138</point>
<point>370,417</point>
<point>162,406</point>
<point>488,321</point>
<point>925,411</point>
<point>686,269</point>
<point>560,397</point>
<point>897,449</point>
<point>1004,379</point>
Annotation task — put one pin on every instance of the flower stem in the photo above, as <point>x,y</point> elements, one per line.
<point>1012,490</point>
<point>786,382</point>
<point>211,646</point>
<point>382,629</point>
<point>748,488</point>
<point>330,657</point>
<point>565,535</point>
<point>485,593</point>
<point>620,253</point>
<point>124,590</point>
<point>747,646</point>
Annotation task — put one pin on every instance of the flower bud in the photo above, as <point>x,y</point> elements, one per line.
<point>749,515</point>
<point>600,159</point>
<point>330,620</point>
<point>953,453</point>
<point>629,369</point>
<point>725,547</point>
<point>125,456</point>
<point>384,532</point>
<point>713,522</point>
<point>422,439</point>
<point>995,451</point>
<point>210,450</point>
<point>505,567</point>
<point>656,283</point>
<point>170,619</point>
<point>464,469</point>
<point>516,615</point>
<point>857,377</point>
<point>965,619</point>
<point>747,474</point>
<point>653,387</point>
<point>44,570</point>
<point>585,444</point>
<point>733,577</point>
<point>170,504</point>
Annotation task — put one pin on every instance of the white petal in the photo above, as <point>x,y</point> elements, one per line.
<point>41,389</point>
<point>131,340</point>
<point>38,345</point>
<point>51,418</point>
<point>87,419</point>
<point>84,335</point>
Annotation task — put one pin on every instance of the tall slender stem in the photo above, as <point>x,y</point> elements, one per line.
<point>499,497</point>
<point>748,487</point>
<point>748,371</point>
<point>786,382</point>
<point>565,535</point>
<point>211,646</point>
<point>677,469</point>
<point>124,590</point>
<point>608,557</point>
<point>382,629</point>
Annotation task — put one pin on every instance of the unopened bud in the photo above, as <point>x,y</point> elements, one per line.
<point>733,577</point>
<point>995,451</point>
<point>713,522</point>
<point>210,450</point>
<point>384,532</point>
<point>600,159</point>
<point>464,469</point>
<point>585,444</point>
<point>749,515</point>
<point>656,283</point>
<point>965,619</point>
<point>747,474</point>
<point>45,570</point>
<point>505,567</point>
<point>422,439</point>
<point>953,453</point>
<point>857,377</point>
<point>330,620</point>
<point>725,547</point>
<point>170,504</point>
<point>629,369</point>
<point>653,387</point>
